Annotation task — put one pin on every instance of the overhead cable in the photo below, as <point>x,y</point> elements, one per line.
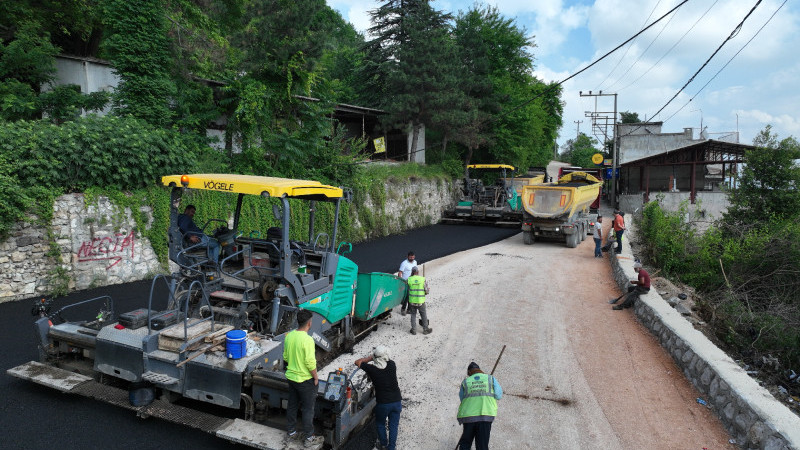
<point>729,61</point>
<point>731,36</point>
<point>552,86</point>
<point>671,48</point>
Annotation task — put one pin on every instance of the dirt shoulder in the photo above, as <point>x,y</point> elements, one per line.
<point>575,374</point>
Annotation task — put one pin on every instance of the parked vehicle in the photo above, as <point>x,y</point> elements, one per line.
<point>180,345</point>
<point>489,196</point>
<point>559,210</point>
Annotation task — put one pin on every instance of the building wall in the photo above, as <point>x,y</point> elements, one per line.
<point>638,146</point>
<point>708,206</point>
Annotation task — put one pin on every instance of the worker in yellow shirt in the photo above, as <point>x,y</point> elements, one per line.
<point>301,375</point>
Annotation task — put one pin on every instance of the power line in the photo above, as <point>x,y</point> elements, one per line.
<point>643,52</point>
<point>729,61</point>
<point>553,86</point>
<point>731,36</point>
<point>619,61</point>
<point>671,48</point>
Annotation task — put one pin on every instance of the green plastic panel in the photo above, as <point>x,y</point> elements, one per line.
<point>377,293</point>
<point>336,304</point>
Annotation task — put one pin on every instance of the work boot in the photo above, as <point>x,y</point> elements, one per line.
<point>617,307</point>
<point>427,331</point>
<point>313,441</point>
<point>413,331</point>
<point>613,300</point>
<point>403,312</point>
<point>294,436</point>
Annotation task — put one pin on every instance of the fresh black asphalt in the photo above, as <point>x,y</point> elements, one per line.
<point>37,417</point>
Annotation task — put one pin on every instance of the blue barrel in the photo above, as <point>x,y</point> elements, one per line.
<point>236,343</point>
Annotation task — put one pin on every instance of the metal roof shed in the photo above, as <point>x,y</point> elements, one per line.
<point>677,169</point>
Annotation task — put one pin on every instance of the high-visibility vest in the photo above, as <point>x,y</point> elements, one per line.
<point>416,289</point>
<point>479,404</point>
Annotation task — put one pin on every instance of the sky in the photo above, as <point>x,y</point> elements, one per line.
<point>743,92</point>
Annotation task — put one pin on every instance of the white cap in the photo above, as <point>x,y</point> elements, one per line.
<point>637,265</point>
<point>380,356</point>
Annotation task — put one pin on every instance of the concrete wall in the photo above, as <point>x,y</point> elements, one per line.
<point>638,145</point>
<point>708,206</point>
<point>752,416</point>
<point>99,244</point>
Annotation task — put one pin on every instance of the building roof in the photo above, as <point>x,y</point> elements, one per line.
<point>705,152</point>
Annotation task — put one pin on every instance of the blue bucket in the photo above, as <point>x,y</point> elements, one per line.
<point>236,343</point>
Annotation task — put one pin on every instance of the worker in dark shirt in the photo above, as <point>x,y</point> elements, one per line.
<point>640,286</point>
<point>383,374</point>
<point>194,235</point>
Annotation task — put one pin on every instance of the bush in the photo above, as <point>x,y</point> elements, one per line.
<point>113,152</point>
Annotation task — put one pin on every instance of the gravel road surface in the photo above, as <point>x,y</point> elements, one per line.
<point>575,373</point>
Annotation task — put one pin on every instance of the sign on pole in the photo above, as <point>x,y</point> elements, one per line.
<point>597,158</point>
<point>380,144</point>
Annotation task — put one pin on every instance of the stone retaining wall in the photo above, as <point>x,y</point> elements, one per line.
<point>752,416</point>
<point>99,244</point>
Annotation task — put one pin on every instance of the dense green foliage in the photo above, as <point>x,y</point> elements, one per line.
<point>746,265</point>
<point>120,153</point>
<point>270,72</point>
<point>579,151</point>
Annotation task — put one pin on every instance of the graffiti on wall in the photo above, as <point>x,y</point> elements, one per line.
<point>109,248</point>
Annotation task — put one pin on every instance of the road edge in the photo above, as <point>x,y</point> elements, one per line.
<point>752,416</point>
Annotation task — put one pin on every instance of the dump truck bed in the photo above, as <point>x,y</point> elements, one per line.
<point>572,193</point>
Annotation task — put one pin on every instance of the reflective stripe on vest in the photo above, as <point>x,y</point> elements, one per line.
<point>416,289</point>
<point>479,398</point>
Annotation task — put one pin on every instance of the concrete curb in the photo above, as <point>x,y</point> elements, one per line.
<point>752,416</point>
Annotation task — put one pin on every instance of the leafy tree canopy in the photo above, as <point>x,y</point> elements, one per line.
<point>768,186</point>
<point>579,151</point>
<point>629,117</point>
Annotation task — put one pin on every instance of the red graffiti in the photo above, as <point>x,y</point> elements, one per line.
<point>107,248</point>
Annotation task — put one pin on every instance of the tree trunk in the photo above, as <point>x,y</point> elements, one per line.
<point>414,138</point>
<point>467,160</point>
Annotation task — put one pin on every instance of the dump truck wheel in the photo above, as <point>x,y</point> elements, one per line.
<point>527,237</point>
<point>583,231</point>
<point>572,240</point>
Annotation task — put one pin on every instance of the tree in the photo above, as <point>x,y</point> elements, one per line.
<point>410,51</point>
<point>579,151</point>
<point>519,115</point>
<point>768,187</point>
<point>139,51</point>
<point>629,117</point>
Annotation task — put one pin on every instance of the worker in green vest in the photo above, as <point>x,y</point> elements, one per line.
<point>417,289</point>
<point>479,395</point>
<point>302,378</point>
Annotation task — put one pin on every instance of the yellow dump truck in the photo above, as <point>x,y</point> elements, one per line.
<point>559,210</point>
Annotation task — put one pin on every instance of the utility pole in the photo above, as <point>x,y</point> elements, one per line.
<point>578,133</point>
<point>600,121</point>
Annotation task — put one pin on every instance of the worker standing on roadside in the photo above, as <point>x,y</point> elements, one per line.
<point>301,375</point>
<point>640,286</point>
<point>417,289</point>
<point>479,394</point>
<point>619,228</point>
<point>383,374</point>
<point>597,233</point>
<point>404,272</point>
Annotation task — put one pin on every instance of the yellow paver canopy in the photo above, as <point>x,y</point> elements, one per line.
<point>254,185</point>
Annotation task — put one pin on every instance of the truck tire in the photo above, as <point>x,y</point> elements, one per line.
<point>572,240</point>
<point>527,237</point>
<point>584,227</point>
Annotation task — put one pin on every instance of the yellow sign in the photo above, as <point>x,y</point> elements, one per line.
<point>380,144</point>
<point>597,158</point>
